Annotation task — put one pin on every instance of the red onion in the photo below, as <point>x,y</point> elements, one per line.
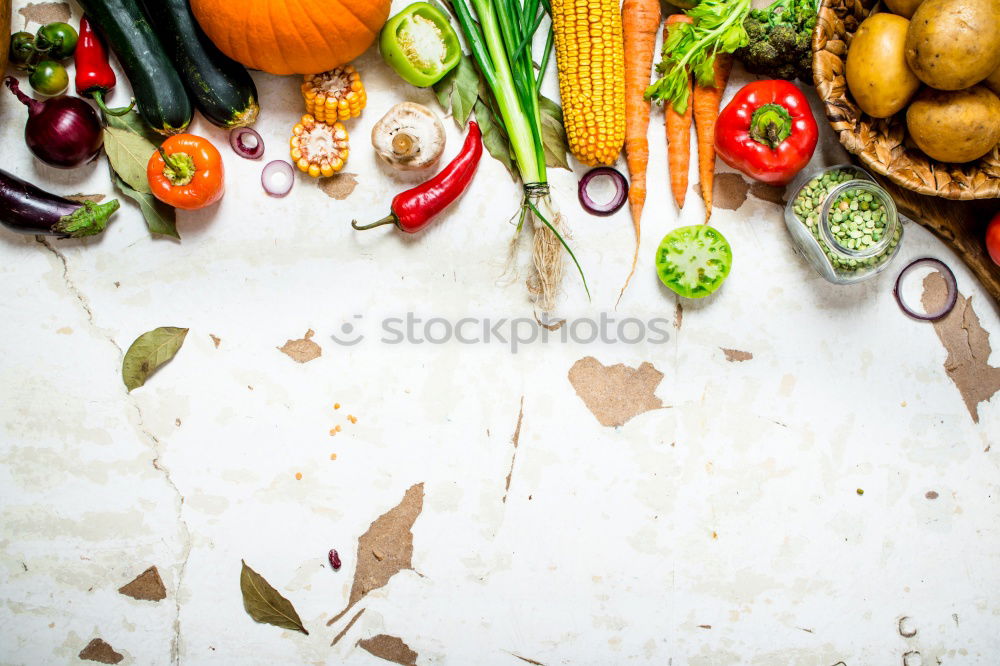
<point>949,279</point>
<point>609,207</point>
<point>277,178</point>
<point>247,143</point>
<point>63,132</point>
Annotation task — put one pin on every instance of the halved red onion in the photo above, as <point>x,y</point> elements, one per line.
<point>608,207</point>
<point>247,143</point>
<point>950,282</point>
<point>277,178</point>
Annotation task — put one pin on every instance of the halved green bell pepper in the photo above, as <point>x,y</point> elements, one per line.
<point>420,44</point>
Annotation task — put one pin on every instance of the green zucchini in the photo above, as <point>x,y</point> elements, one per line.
<point>159,92</point>
<point>220,87</point>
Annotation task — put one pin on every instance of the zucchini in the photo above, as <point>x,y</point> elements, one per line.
<point>220,87</point>
<point>159,92</point>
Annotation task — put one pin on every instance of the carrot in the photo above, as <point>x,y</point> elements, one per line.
<point>706,100</point>
<point>678,133</point>
<point>640,23</point>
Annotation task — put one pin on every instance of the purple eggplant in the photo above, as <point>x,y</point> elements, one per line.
<point>28,209</point>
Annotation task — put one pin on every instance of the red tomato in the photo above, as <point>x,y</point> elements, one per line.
<point>993,239</point>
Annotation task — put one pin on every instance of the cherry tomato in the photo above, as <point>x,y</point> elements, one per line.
<point>993,239</point>
<point>22,48</point>
<point>49,78</point>
<point>56,40</point>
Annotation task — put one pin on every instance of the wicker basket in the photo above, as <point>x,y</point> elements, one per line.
<point>881,144</point>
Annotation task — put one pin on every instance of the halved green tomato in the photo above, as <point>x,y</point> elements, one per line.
<point>694,261</point>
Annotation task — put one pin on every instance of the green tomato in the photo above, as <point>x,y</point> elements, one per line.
<point>56,40</point>
<point>22,47</point>
<point>694,261</point>
<point>49,78</point>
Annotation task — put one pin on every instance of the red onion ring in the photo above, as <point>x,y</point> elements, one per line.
<point>253,149</point>
<point>949,279</point>
<point>273,170</point>
<point>617,201</point>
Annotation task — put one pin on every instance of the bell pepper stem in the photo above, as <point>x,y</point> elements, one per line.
<point>770,124</point>
<point>389,219</point>
<point>98,97</point>
<point>179,168</point>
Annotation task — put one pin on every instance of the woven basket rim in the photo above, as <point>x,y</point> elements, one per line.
<point>880,144</point>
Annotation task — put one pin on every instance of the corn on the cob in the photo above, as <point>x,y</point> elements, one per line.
<point>334,95</point>
<point>319,149</point>
<point>590,54</point>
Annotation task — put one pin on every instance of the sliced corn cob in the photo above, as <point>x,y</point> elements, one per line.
<point>319,149</point>
<point>590,54</point>
<point>334,95</point>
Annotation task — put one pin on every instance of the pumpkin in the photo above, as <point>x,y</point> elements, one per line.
<point>284,37</point>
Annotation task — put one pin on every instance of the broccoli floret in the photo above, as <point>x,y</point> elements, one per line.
<point>780,39</point>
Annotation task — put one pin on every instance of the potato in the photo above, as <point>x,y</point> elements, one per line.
<point>903,7</point>
<point>954,44</point>
<point>877,74</point>
<point>993,81</point>
<point>957,126</point>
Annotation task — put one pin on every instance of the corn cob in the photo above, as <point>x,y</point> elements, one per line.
<point>334,95</point>
<point>590,55</point>
<point>319,149</point>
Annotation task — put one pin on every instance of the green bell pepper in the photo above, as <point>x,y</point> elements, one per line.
<point>420,44</point>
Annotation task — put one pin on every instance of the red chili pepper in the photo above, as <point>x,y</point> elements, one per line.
<point>94,76</point>
<point>767,131</point>
<point>413,209</point>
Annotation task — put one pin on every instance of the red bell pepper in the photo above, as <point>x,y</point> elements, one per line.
<point>767,131</point>
<point>94,76</point>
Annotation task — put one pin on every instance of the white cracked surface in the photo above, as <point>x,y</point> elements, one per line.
<point>725,529</point>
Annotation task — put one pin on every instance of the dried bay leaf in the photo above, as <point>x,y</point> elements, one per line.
<point>149,351</point>
<point>390,648</point>
<point>554,141</point>
<point>129,154</point>
<point>160,218</point>
<point>265,604</point>
<point>133,122</point>
<point>458,90</point>
<point>390,536</point>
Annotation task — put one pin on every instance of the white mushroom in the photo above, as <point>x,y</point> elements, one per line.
<point>409,137</point>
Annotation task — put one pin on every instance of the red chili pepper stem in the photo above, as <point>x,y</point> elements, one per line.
<point>770,124</point>
<point>98,97</point>
<point>388,219</point>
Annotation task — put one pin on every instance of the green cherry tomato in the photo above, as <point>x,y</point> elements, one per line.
<point>694,261</point>
<point>22,47</point>
<point>420,44</point>
<point>49,78</point>
<point>56,40</point>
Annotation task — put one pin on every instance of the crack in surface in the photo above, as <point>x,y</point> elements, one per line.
<point>153,441</point>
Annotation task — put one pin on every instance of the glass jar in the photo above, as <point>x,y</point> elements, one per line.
<point>843,223</point>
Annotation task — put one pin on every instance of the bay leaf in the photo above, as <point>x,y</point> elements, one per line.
<point>133,122</point>
<point>149,351</point>
<point>160,218</point>
<point>494,137</point>
<point>458,90</point>
<point>129,154</point>
<point>554,141</point>
<point>386,548</point>
<point>265,604</point>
